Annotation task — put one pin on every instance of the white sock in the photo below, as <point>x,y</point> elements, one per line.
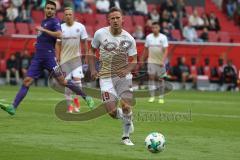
<point>161,88</point>
<point>68,96</point>
<point>151,87</point>
<point>119,113</point>
<point>127,120</point>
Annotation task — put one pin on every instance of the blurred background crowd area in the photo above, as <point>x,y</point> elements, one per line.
<point>217,21</point>
<point>210,21</point>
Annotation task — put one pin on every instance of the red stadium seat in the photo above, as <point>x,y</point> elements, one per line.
<point>79,17</point>
<point>3,66</point>
<point>212,36</point>
<point>22,28</point>
<point>185,21</point>
<point>200,10</point>
<point>90,31</point>
<point>176,34</point>
<point>100,25</point>
<point>128,19</point>
<point>60,15</point>
<point>89,19</point>
<point>37,16</point>
<point>199,32</point>
<point>128,24</point>
<point>152,6</point>
<point>32,28</point>
<point>189,10</point>
<point>10,28</point>
<point>224,36</point>
<point>139,20</point>
<point>102,19</point>
<point>128,27</point>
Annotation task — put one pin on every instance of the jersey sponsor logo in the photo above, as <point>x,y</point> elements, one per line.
<point>123,46</point>
<point>110,46</point>
<point>69,38</point>
<point>78,30</point>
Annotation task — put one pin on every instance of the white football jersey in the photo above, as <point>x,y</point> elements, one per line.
<point>71,36</point>
<point>155,46</point>
<point>114,50</point>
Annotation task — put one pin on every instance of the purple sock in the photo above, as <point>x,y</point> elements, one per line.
<point>20,95</point>
<point>76,89</point>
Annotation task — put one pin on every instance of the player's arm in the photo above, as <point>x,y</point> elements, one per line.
<point>144,56</point>
<point>92,62</point>
<point>85,45</point>
<point>84,41</point>
<point>56,34</point>
<point>58,47</point>
<point>165,54</point>
<point>145,52</point>
<point>95,44</point>
<point>165,51</point>
<point>85,48</point>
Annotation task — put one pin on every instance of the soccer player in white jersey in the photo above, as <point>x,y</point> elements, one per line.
<point>69,51</point>
<point>116,47</point>
<point>156,47</point>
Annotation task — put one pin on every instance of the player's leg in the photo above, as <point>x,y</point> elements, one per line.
<point>110,99</point>
<point>69,99</point>
<point>75,99</point>
<point>69,95</point>
<point>34,71</point>
<point>151,81</point>
<point>161,72</point>
<point>52,66</point>
<point>77,75</point>
<point>123,86</point>
<point>11,108</point>
<point>127,117</point>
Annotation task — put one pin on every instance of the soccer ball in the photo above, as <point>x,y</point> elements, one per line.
<point>155,142</point>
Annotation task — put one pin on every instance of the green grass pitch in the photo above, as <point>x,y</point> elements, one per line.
<point>212,133</point>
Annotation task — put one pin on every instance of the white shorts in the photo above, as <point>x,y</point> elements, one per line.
<point>76,73</point>
<point>156,69</point>
<point>115,86</point>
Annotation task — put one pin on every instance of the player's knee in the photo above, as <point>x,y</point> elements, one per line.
<point>27,81</point>
<point>126,107</point>
<point>62,81</point>
<point>113,114</point>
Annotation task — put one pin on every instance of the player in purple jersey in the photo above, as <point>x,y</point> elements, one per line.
<point>44,58</point>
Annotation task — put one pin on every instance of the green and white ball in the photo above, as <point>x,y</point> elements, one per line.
<point>155,142</point>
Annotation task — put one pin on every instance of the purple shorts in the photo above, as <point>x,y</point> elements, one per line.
<point>38,64</point>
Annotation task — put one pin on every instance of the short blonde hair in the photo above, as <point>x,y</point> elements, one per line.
<point>68,8</point>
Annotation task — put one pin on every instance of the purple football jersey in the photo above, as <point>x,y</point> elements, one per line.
<point>45,41</point>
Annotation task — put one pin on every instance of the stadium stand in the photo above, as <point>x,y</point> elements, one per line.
<point>93,21</point>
